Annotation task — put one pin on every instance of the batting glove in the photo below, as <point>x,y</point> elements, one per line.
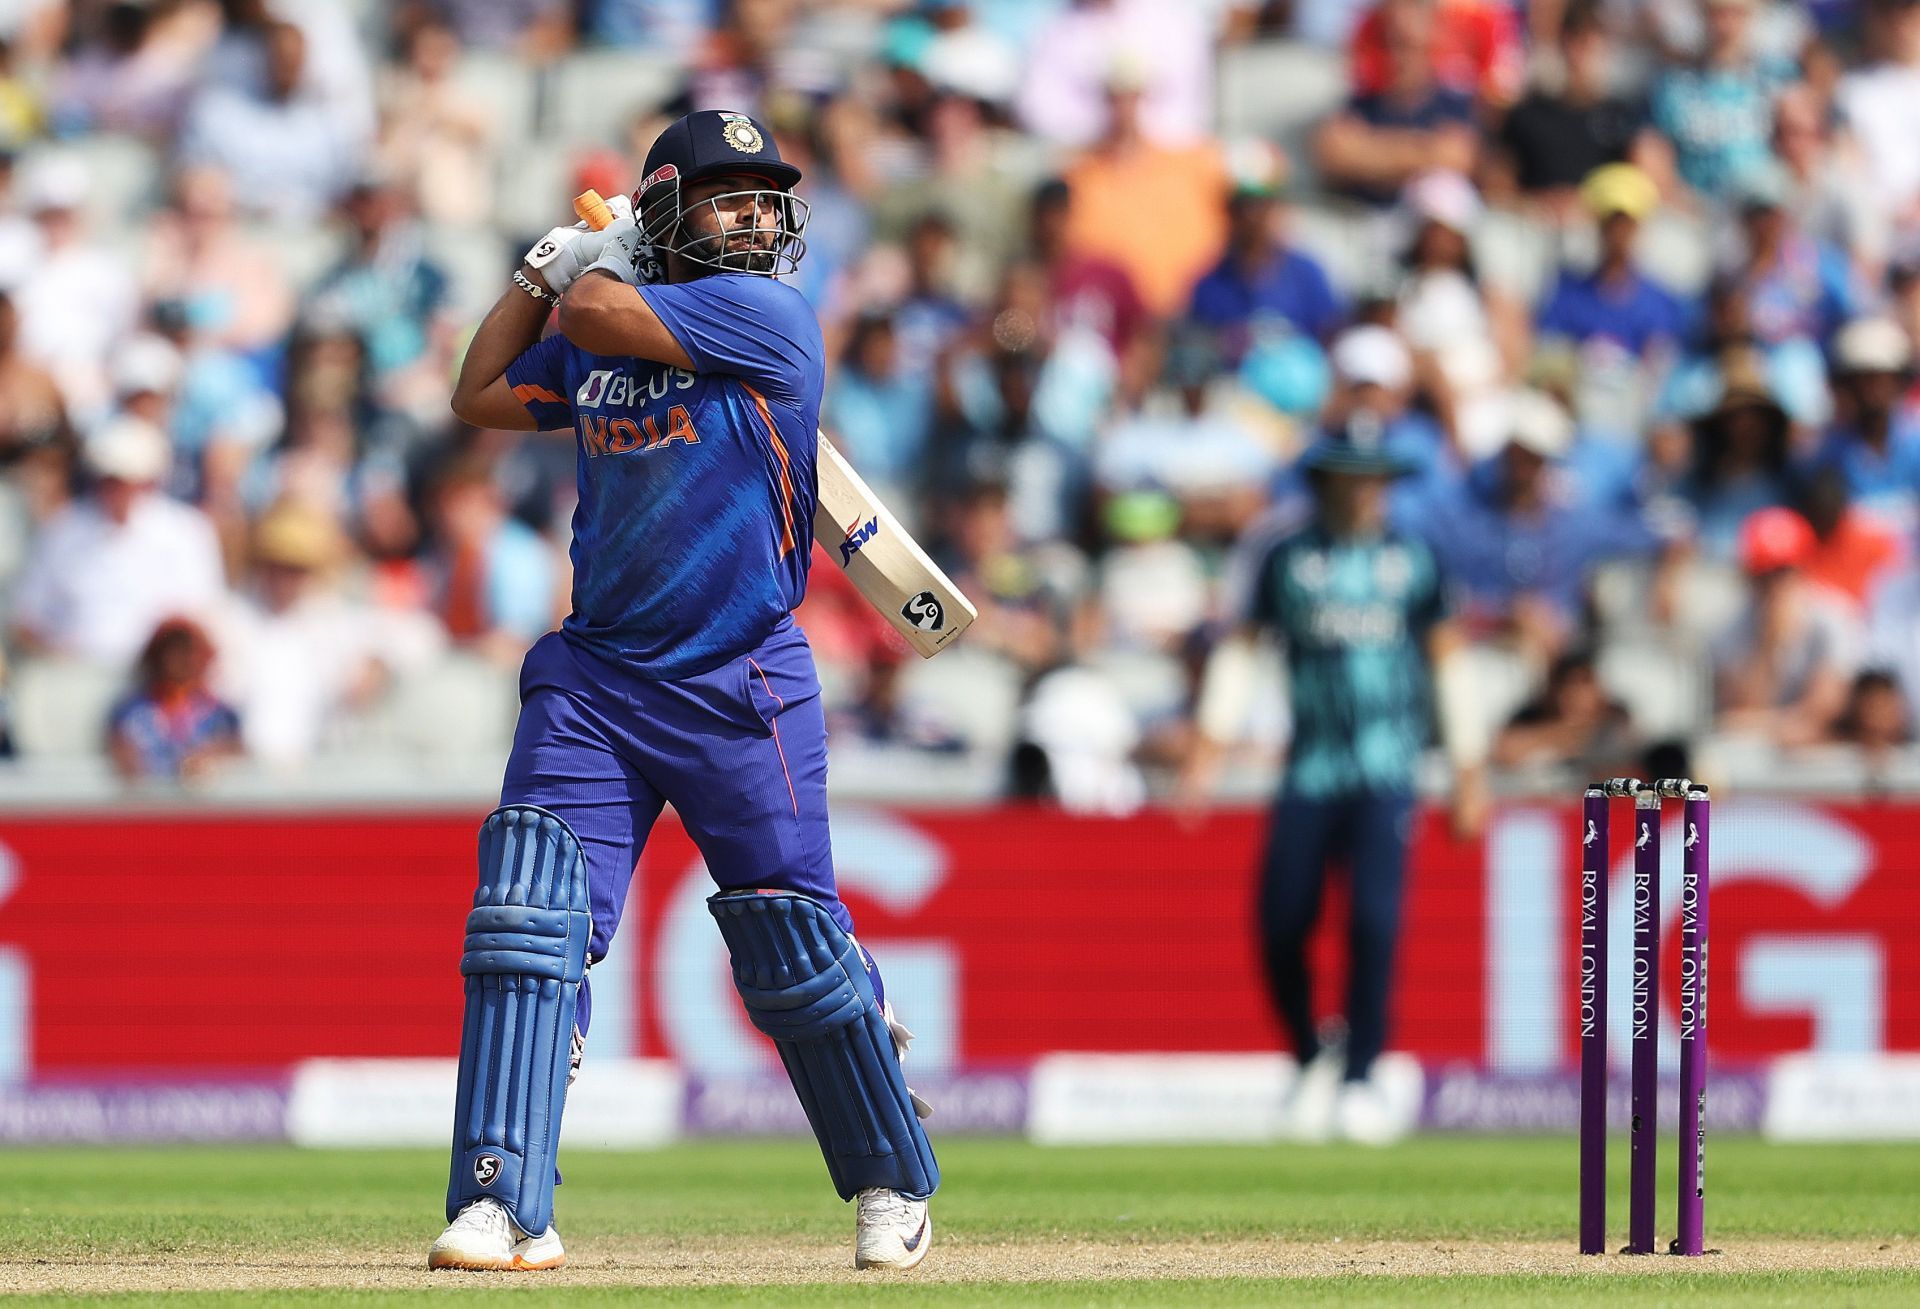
<point>565,252</point>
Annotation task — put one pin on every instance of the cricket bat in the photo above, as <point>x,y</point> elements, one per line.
<point>863,538</point>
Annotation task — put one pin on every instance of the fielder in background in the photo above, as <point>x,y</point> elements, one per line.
<point>1359,614</point>
<point>679,677</point>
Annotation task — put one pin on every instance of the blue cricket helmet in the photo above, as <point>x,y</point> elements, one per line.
<point>720,143</point>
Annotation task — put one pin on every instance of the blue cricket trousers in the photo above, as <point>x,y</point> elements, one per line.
<point>1368,832</point>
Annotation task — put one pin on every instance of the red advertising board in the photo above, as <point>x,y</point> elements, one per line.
<point>225,942</point>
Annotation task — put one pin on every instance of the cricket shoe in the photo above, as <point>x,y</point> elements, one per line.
<point>1308,1114</point>
<point>894,1231</point>
<point>484,1238</point>
<point>1363,1114</point>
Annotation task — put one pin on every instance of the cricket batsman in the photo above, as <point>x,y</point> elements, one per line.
<point>690,378</point>
<point>1360,614</point>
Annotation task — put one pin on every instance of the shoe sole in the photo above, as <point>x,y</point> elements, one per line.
<point>912,1260</point>
<point>459,1263</point>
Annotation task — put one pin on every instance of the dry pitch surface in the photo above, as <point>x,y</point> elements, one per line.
<point>1437,1221</point>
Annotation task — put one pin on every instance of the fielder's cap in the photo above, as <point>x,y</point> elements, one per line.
<point>1619,189</point>
<point>1371,355</point>
<point>1775,538</point>
<point>1537,422</point>
<point>128,449</point>
<point>1872,345</point>
<point>713,143</point>
<point>1358,447</point>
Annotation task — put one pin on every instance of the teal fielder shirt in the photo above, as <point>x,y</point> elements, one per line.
<point>1352,617</point>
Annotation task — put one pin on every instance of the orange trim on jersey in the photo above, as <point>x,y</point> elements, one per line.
<point>528,392</point>
<point>789,540</point>
<point>775,725</point>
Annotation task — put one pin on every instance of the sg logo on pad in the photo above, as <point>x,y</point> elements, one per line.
<point>485,1168</point>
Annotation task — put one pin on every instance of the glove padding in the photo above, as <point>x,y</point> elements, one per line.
<point>623,254</point>
<point>566,252</point>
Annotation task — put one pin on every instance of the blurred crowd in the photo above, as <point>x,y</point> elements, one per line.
<point>1633,284</point>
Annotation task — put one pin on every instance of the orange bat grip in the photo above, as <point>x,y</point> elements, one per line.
<point>592,210</point>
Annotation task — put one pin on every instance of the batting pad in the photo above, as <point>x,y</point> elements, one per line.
<point>526,953</point>
<point>805,986</point>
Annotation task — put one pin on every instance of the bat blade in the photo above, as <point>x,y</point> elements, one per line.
<point>887,566</point>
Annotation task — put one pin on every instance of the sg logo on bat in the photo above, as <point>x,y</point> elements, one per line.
<point>925,612</point>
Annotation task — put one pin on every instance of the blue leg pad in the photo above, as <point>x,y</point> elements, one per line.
<point>806,986</point>
<point>526,953</point>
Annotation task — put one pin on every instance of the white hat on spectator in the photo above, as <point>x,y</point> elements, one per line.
<point>1537,422</point>
<point>147,363</point>
<point>1872,345</point>
<point>54,182</point>
<point>1443,197</point>
<point>130,450</point>
<point>975,63</point>
<point>1371,355</point>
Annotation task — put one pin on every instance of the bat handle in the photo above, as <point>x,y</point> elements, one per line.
<point>592,210</point>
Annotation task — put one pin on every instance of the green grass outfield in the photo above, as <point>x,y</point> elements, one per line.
<point>1439,1221</point>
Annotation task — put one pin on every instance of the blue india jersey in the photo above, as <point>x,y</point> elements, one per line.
<point>697,490</point>
<point>1352,617</point>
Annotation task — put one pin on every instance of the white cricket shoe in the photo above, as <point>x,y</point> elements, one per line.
<point>894,1231</point>
<point>1364,1115</point>
<point>483,1238</point>
<point>1309,1112</point>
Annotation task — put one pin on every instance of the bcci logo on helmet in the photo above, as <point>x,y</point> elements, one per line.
<point>741,134</point>
<point>486,1168</point>
<point>925,612</point>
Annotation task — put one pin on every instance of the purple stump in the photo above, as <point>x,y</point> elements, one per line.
<point>1595,855</point>
<point>1645,1093</point>
<point>1693,1027</point>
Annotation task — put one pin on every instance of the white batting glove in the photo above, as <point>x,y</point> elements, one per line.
<point>565,252</point>
<point>620,255</point>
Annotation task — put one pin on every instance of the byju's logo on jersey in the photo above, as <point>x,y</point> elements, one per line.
<point>486,1169</point>
<point>858,535</point>
<point>925,612</point>
<point>610,387</point>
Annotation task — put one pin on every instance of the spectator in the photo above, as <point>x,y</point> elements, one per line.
<point>1796,286</point>
<point>1562,131</point>
<point>333,73</point>
<point>288,155</point>
<point>498,588</point>
<point>1467,337</point>
<point>1718,111</point>
<point>1573,723</point>
<point>75,297</point>
<point>35,447</point>
<point>235,292</point>
<point>1474,47</point>
<point>1519,546</point>
<point>1881,102</point>
<point>134,71</point>
<point>1155,210</point>
<point>1066,95</point>
<point>1877,720</point>
<point>1831,194</point>
<point>105,570</point>
<point>969,182</point>
<point>1616,315</point>
<point>171,725</point>
<point>930,317</point>
<point>1384,139</point>
<point>436,133</point>
<point>1875,441</point>
<point>297,658</point>
<point>1089,292</point>
<point>880,412</point>
<point>1026,597</point>
<point>538,30</point>
<point>1782,671</point>
<point>1795,369</point>
<point>1739,457</point>
<point>1852,553</point>
<point>1263,283</point>
<point>32,413</point>
<point>394,296</point>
